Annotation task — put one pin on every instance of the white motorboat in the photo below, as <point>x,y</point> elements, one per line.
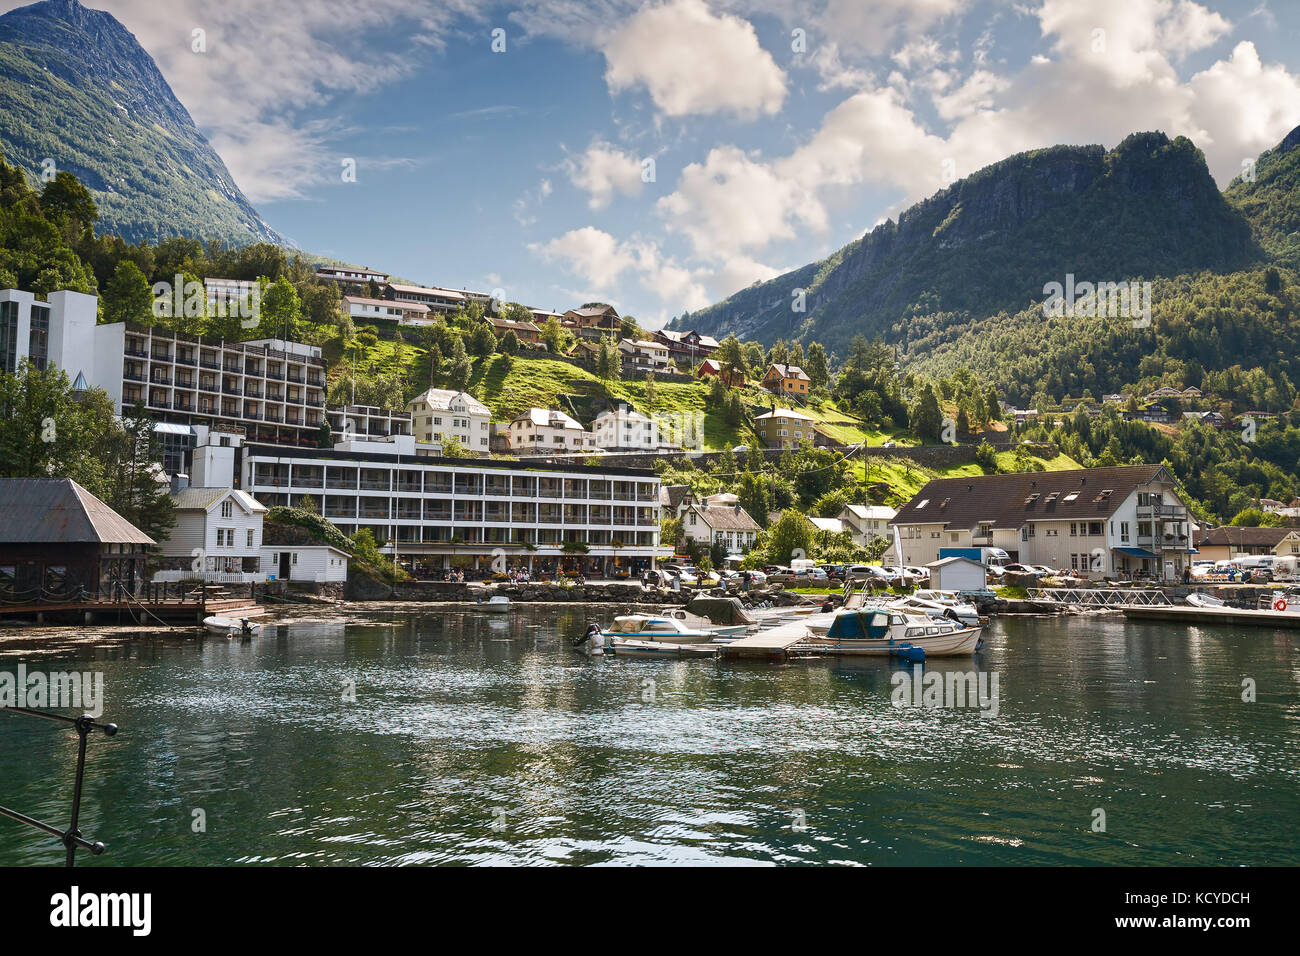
<point>497,604</point>
<point>1204,600</point>
<point>940,604</point>
<point>232,627</point>
<point>656,627</point>
<point>893,631</point>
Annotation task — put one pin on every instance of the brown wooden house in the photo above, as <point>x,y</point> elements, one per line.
<point>57,540</point>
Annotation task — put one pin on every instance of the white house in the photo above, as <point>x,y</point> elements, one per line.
<point>721,518</point>
<point>625,429</point>
<point>1116,522</point>
<point>304,562</point>
<point>218,532</point>
<point>548,431</point>
<point>646,355</point>
<point>217,537</point>
<point>867,522</point>
<point>441,413</point>
<point>362,309</point>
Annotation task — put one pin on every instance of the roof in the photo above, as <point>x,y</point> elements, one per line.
<point>833,525</point>
<point>672,496</point>
<point>426,290</point>
<point>202,499</point>
<point>596,311</point>
<point>643,344</point>
<point>726,517</point>
<point>1005,500</point>
<point>387,303</point>
<point>1241,537</point>
<point>441,399</point>
<point>788,371</point>
<point>549,417</point>
<point>60,511</point>
<point>510,324</point>
<point>871,512</point>
<point>784,413</point>
<point>942,562</point>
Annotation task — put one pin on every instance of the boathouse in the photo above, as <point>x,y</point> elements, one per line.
<point>58,541</point>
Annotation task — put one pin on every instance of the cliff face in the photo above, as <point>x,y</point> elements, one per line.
<point>77,89</point>
<point>990,242</point>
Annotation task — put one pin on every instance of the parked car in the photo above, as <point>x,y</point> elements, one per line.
<point>1024,569</point>
<point>736,578</point>
<point>894,573</point>
<point>834,572</point>
<point>889,444</point>
<point>865,572</point>
<point>922,574</point>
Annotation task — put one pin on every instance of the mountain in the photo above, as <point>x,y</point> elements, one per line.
<point>77,88</point>
<point>1270,198</point>
<point>991,242</point>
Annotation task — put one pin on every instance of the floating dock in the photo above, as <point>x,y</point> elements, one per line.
<point>1229,616</point>
<point>774,642</point>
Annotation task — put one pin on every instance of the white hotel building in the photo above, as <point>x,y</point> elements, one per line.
<point>271,388</point>
<point>443,512</point>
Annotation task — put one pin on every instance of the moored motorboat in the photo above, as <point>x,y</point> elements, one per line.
<point>658,627</point>
<point>949,609</point>
<point>886,631</point>
<point>1204,600</point>
<point>497,604</point>
<point>231,627</point>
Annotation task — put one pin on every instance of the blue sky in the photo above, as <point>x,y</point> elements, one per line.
<point>778,130</point>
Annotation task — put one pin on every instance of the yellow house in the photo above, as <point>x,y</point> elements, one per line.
<point>786,380</point>
<point>784,428</point>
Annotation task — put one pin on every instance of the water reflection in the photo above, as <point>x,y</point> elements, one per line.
<point>485,739</point>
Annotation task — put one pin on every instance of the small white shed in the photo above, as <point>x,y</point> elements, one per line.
<point>304,562</point>
<point>957,574</point>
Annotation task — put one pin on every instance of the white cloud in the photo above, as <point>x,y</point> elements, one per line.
<point>590,253</point>
<point>694,62</point>
<point>603,170</point>
<point>731,202</point>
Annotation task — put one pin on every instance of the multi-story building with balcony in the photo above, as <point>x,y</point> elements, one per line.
<point>349,277</point>
<point>441,512</point>
<point>362,309</point>
<point>274,389</point>
<point>441,413</point>
<point>548,431</point>
<point>1101,522</point>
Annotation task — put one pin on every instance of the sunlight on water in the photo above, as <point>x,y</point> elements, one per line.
<point>483,740</point>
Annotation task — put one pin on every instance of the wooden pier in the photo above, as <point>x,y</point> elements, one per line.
<point>1226,616</point>
<point>775,642</point>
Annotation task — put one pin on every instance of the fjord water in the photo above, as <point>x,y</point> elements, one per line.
<point>482,739</point>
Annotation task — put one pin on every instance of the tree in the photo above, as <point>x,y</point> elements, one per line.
<point>458,377</point>
<point>651,391</point>
<point>128,297</point>
<point>281,310</point>
<point>670,531</point>
<point>510,343</point>
<point>453,447</point>
<point>47,431</point>
<point>790,536</point>
<point>927,418</point>
<point>139,491</point>
<point>730,355</point>
<point>816,365</point>
<point>65,200</point>
<point>718,553</point>
<point>555,337</point>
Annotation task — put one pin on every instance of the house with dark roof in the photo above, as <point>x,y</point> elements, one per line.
<point>1227,542</point>
<point>1116,522</point>
<point>720,518</point>
<point>687,348</point>
<point>59,540</point>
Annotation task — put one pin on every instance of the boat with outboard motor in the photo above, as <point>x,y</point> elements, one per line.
<point>892,631</point>
<point>940,604</point>
<point>231,627</point>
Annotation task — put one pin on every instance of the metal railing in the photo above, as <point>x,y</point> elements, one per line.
<point>71,838</point>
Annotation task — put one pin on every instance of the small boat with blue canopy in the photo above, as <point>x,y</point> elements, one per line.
<point>893,632</point>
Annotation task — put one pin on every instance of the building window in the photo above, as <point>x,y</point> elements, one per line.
<point>227,509</point>
<point>250,537</point>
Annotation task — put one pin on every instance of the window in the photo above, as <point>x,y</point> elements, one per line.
<point>250,537</point>
<point>1123,530</point>
<point>1072,496</point>
<point>227,509</point>
<point>1074,529</point>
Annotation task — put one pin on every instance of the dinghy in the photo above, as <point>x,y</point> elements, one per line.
<point>232,627</point>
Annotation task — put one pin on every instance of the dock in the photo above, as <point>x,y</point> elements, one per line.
<point>774,642</point>
<point>1229,616</point>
